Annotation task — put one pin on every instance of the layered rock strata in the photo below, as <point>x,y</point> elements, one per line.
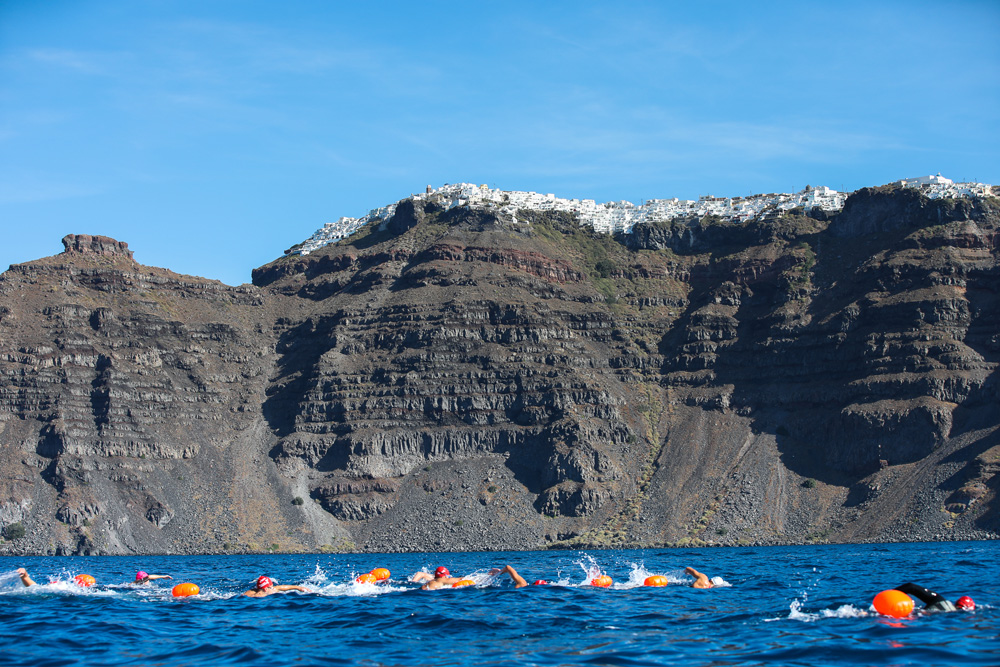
<point>457,379</point>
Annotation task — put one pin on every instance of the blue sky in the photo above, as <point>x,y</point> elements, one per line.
<point>212,135</point>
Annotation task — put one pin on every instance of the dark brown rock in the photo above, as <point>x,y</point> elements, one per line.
<point>455,380</point>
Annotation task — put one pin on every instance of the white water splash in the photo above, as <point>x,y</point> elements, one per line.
<point>795,613</point>
<point>318,578</point>
<point>844,611</point>
<point>636,576</point>
<point>10,583</point>
<point>590,570</point>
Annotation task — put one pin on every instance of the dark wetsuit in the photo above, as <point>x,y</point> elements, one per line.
<point>932,601</point>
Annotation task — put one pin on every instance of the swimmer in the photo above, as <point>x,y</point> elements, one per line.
<point>25,579</point>
<point>441,578</point>
<point>265,587</point>
<point>143,578</point>
<point>934,601</point>
<point>28,581</point>
<point>700,580</point>
<point>519,581</point>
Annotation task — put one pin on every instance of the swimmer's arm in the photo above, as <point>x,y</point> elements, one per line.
<point>518,580</point>
<point>25,579</point>
<point>290,587</point>
<point>919,592</point>
<point>700,579</point>
<point>421,576</point>
<point>159,576</point>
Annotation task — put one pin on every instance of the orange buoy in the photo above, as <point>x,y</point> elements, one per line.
<point>84,580</point>
<point>893,603</point>
<point>603,581</point>
<point>656,580</point>
<point>184,590</point>
<point>463,582</point>
<point>366,578</point>
<point>380,573</point>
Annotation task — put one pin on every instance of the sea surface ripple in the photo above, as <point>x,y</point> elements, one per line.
<point>807,605</point>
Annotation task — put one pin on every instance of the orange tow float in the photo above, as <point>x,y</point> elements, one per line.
<point>893,603</point>
<point>185,590</point>
<point>84,580</point>
<point>655,580</point>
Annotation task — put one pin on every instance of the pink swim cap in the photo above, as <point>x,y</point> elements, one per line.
<point>141,576</point>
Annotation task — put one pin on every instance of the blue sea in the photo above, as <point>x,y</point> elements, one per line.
<point>807,605</point>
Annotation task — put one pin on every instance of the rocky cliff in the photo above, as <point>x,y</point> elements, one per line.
<point>454,379</point>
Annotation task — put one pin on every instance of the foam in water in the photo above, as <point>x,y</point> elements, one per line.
<point>795,612</point>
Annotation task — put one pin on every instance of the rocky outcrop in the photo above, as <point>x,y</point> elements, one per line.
<point>97,245</point>
<point>458,380</point>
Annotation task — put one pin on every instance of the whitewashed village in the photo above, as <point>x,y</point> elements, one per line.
<point>622,216</point>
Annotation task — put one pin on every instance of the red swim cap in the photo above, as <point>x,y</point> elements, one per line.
<point>965,602</point>
<point>540,582</point>
<point>441,572</point>
<point>264,582</point>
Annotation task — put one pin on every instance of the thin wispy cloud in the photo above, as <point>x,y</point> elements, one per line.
<point>82,62</point>
<point>38,190</point>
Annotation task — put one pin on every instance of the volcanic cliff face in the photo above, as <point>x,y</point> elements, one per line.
<point>130,408</point>
<point>458,380</point>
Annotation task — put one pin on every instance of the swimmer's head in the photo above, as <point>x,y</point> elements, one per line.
<point>441,572</point>
<point>263,583</point>
<point>965,602</point>
<point>141,577</point>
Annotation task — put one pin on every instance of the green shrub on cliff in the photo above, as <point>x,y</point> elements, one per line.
<point>14,531</point>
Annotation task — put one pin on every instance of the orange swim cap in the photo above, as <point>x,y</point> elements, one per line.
<point>893,603</point>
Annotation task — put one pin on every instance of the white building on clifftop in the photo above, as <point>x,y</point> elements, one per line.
<point>622,216</point>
